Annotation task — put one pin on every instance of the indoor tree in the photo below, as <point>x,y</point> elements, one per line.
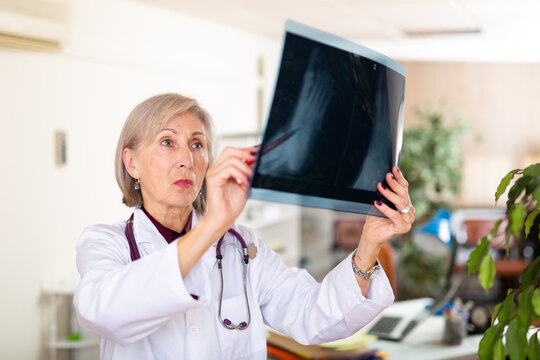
<point>432,162</point>
<point>520,311</point>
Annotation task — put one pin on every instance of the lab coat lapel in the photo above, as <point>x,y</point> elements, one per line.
<point>146,235</point>
<point>145,232</point>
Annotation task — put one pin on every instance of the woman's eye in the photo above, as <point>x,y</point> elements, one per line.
<point>166,142</point>
<point>197,145</point>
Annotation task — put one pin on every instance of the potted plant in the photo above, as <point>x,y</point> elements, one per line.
<point>512,319</point>
<point>432,162</point>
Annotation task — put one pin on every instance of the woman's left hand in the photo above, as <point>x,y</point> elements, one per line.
<point>378,229</point>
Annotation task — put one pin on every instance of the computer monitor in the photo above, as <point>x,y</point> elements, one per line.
<point>335,124</point>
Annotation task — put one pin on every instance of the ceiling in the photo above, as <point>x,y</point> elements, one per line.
<point>376,19</point>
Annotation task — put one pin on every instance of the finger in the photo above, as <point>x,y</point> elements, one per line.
<point>398,176</point>
<point>247,152</point>
<point>254,150</point>
<point>402,200</point>
<point>246,155</point>
<point>399,201</point>
<point>395,186</point>
<point>401,186</point>
<point>233,162</point>
<point>412,216</point>
<point>400,223</point>
<point>231,175</point>
<point>407,218</point>
<point>390,213</point>
<point>232,170</point>
<point>229,153</point>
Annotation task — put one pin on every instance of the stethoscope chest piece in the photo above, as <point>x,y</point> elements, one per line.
<point>252,251</point>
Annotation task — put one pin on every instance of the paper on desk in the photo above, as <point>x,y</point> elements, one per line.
<point>352,342</point>
<point>316,351</point>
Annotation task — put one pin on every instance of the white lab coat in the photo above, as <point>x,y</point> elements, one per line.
<point>144,310</point>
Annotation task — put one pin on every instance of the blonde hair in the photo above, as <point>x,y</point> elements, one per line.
<point>143,124</point>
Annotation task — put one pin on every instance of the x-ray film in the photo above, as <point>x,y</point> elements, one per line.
<point>335,124</point>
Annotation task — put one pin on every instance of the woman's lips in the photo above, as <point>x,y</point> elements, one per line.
<point>184,183</point>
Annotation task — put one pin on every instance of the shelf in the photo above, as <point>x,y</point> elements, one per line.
<point>79,344</point>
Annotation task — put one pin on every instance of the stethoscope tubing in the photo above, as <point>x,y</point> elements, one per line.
<point>227,323</point>
<point>219,256</point>
<point>135,255</point>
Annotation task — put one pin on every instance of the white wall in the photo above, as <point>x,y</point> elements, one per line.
<point>120,52</point>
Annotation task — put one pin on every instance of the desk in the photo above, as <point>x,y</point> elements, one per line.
<point>424,343</point>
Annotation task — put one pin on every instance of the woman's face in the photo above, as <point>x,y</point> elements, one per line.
<point>171,167</point>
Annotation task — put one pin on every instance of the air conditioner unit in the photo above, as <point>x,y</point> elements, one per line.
<point>40,25</point>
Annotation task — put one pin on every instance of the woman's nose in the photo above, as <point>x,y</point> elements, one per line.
<point>184,158</point>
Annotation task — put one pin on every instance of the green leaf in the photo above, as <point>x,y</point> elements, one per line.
<point>525,308</point>
<point>492,334</point>
<point>496,313</point>
<point>517,219</point>
<point>536,195</point>
<point>477,255</point>
<point>496,227</point>
<point>534,347</point>
<point>486,272</point>
<point>499,352</point>
<point>516,340</point>
<point>532,271</point>
<point>517,188</point>
<point>507,306</point>
<point>532,170</point>
<point>530,221</point>
<point>535,301</point>
<point>508,235</point>
<point>504,183</point>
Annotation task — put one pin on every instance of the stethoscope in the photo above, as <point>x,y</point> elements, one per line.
<point>226,322</point>
<point>135,255</point>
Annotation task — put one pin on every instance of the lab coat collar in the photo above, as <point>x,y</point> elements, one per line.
<point>145,231</point>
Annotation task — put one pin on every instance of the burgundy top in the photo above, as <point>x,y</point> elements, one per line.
<point>168,234</point>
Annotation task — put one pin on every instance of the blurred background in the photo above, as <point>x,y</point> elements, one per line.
<point>72,70</point>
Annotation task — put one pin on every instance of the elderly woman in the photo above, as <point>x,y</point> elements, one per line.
<point>170,283</point>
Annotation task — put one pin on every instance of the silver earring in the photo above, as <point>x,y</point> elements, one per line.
<point>200,193</point>
<point>137,185</point>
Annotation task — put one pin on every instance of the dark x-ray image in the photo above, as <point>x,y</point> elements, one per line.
<point>332,127</point>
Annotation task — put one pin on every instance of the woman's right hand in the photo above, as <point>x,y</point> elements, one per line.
<point>227,182</point>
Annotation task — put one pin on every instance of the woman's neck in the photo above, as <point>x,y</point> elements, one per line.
<point>174,218</point>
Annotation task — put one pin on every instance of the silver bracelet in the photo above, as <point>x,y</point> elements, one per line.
<point>370,273</point>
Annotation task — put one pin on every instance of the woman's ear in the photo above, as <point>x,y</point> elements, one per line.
<point>129,163</point>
